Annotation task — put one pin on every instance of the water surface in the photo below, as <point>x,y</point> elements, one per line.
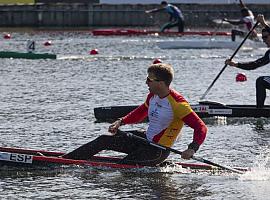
<point>48,105</point>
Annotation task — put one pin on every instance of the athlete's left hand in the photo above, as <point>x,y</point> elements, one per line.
<point>231,63</point>
<point>115,126</point>
<point>187,154</point>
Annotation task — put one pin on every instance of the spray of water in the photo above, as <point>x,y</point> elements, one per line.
<point>261,170</point>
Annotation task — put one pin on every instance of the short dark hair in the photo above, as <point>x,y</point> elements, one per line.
<point>245,11</point>
<point>164,3</point>
<point>266,29</point>
<point>163,72</point>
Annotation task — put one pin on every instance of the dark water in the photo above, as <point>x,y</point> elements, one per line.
<point>48,105</point>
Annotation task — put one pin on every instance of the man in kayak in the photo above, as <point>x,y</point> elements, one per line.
<point>167,111</point>
<point>176,16</point>
<point>247,20</point>
<point>263,82</point>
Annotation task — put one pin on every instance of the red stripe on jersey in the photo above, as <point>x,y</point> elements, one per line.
<point>198,125</point>
<point>137,115</point>
<point>157,137</point>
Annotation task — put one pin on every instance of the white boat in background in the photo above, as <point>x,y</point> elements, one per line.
<point>207,44</point>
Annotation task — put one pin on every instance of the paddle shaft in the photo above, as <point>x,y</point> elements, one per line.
<point>179,152</point>
<point>235,52</point>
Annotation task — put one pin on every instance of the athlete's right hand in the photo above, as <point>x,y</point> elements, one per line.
<point>115,126</point>
<point>187,154</point>
<point>260,18</point>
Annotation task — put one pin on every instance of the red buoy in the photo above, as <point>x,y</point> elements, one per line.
<point>7,36</point>
<point>48,43</point>
<point>240,77</point>
<point>156,61</point>
<point>93,52</point>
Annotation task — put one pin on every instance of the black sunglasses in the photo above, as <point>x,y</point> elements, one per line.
<point>151,79</point>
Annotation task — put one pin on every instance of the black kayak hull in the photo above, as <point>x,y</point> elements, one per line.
<point>203,110</point>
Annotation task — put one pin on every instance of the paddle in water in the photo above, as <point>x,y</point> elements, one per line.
<point>179,152</point>
<point>211,85</point>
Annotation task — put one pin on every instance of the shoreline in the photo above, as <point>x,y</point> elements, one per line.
<point>83,16</point>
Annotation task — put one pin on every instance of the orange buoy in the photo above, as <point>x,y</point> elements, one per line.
<point>240,77</point>
<point>156,61</point>
<point>7,36</point>
<point>48,43</point>
<point>93,52</point>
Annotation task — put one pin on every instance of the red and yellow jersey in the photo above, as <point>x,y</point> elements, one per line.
<point>166,118</point>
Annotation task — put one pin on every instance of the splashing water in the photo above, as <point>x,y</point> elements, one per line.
<point>261,170</point>
<point>175,169</point>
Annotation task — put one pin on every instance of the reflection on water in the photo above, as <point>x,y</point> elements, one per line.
<point>102,183</point>
<point>258,123</point>
<point>262,125</point>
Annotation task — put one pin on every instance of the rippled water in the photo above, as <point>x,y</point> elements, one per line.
<point>48,105</point>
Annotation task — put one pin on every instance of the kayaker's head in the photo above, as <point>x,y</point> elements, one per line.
<point>161,72</point>
<point>266,35</point>
<point>245,12</point>
<point>164,3</point>
<point>159,78</point>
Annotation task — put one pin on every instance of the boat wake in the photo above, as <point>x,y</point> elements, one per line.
<point>256,174</point>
